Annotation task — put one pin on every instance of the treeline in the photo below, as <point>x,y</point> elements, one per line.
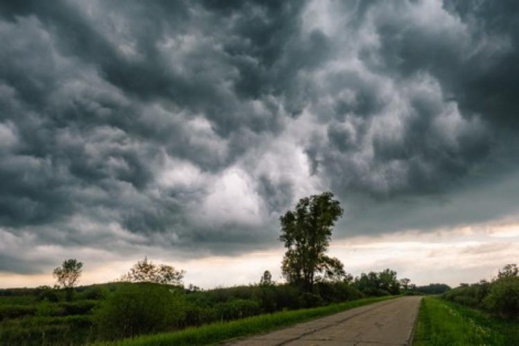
<point>499,296</point>
<point>48,315</point>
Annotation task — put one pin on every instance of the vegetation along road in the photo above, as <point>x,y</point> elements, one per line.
<point>386,323</point>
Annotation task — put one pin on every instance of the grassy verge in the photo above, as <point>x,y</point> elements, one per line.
<point>218,332</point>
<point>444,323</point>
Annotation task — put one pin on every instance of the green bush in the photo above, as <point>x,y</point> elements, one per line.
<point>140,308</point>
<point>46,308</point>
<point>503,298</point>
<point>467,301</point>
<point>94,293</point>
<point>238,308</point>
<point>338,292</point>
<point>47,293</point>
<point>44,330</point>
<point>196,315</point>
<point>81,307</point>
<point>266,295</point>
<point>15,311</point>
<point>310,300</point>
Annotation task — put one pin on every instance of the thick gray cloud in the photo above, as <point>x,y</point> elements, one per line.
<point>192,125</point>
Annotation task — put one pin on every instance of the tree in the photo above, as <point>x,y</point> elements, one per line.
<point>389,282</point>
<point>147,271</point>
<point>266,279</point>
<point>306,233</point>
<point>508,271</point>
<point>68,274</point>
<point>404,283</point>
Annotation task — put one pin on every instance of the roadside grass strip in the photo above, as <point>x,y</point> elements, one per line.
<point>224,331</point>
<point>444,323</point>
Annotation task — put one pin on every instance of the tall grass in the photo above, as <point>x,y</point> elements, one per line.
<point>217,332</point>
<point>444,323</point>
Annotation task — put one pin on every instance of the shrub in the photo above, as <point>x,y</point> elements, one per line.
<point>196,315</point>
<point>46,308</point>
<point>15,311</point>
<point>503,298</point>
<point>94,293</point>
<point>140,308</point>
<point>78,308</point>
<point>47,293</point>
<point>238,308</point>
<point>310,300</point>
<point>338,292</point>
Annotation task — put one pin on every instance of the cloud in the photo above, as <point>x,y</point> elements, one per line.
<point>191,126</point>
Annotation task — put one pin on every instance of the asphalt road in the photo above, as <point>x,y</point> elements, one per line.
<point>389,322</point>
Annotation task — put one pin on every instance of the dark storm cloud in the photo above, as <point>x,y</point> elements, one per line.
<point>96,98</point>
<point>136,114</point>
<point>457,97</point>
<point>15,264</point>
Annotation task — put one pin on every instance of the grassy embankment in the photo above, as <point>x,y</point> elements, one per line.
<point>444,323</point>
<point>217,332</point>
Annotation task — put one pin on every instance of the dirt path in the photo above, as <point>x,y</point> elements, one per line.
<point>386,323</point>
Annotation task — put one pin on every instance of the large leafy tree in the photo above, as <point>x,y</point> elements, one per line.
<point>306,233</point>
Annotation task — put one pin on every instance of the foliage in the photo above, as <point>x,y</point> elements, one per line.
<point>434,288</point>
<point>141,308</point>
<point>218,332</point>
<point>442,323</point>
<point>503,297</point>
<point>147,271</point>
<point>44,330</point>
<point>238,308</point>
<point>508,271</point>
<point>266,279</point>
<point>47,293</point>
<point>27,318</point>
<point>469,295</point>
<point>16,311</point>
<point>404,283</point>
<point>68,274</point>
<point>378,284</point>
<point>306,233</point>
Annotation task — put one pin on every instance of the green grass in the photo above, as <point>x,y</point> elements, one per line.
<point>444,323</point>
<point>217,332</point>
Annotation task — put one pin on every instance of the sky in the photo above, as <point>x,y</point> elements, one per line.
<point>183,130</point>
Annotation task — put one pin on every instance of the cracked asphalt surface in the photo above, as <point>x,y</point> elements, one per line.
<point>389,322</point>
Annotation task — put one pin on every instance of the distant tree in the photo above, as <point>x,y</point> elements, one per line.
<point>68,274</point>
<point>147,271</point>
<point>434,288</point>
<point>193,288</point>
<point>382,283</point>
<point>266,279</point>
<point>389,282</point>
<point>508,271</point>
<point>306,233</point>
<point>404,283</point>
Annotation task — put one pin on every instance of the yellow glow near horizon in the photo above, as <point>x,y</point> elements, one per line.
<point>452,256</point>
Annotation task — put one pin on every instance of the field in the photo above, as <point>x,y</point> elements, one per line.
<point>445,323</point>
